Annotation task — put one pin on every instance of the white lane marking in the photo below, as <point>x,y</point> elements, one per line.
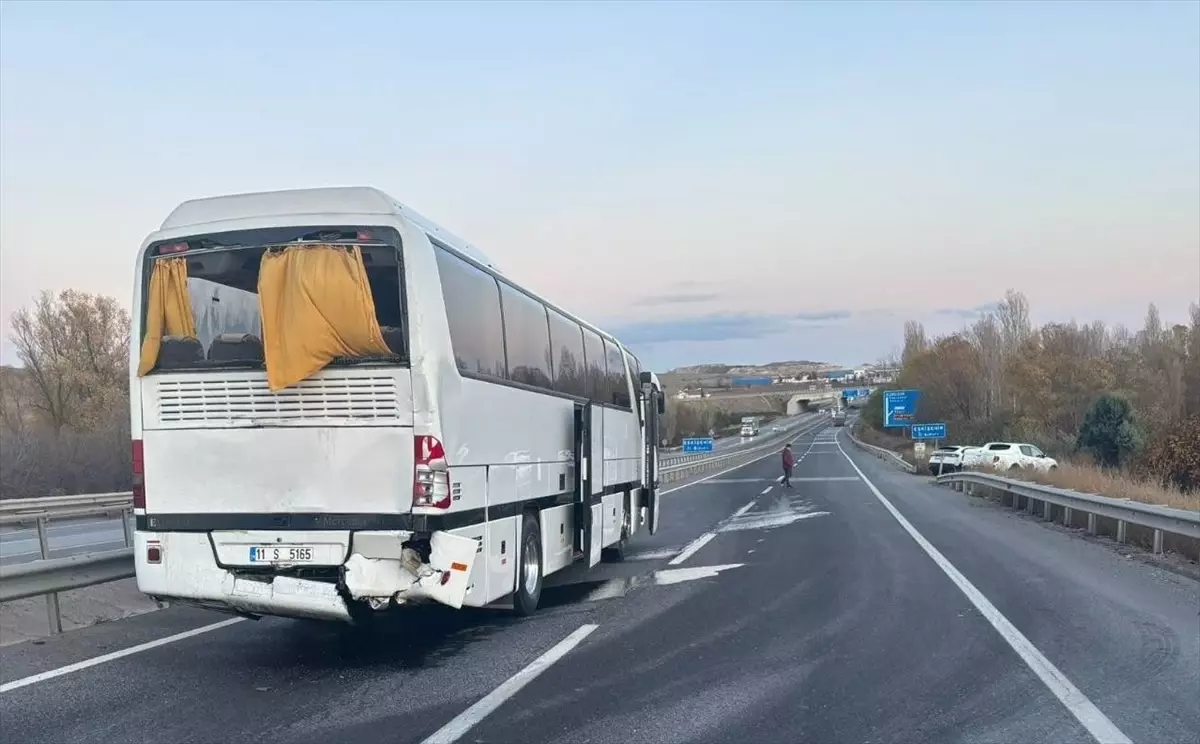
<point>691,548</point>
<point>745,508</point>
<point>826,478</point>
<point>766,490</point>
<point>735,480</point>
<point>70,668</point>
<point>485,706</point>
<point>1085,711</point>
<point>680,575</point>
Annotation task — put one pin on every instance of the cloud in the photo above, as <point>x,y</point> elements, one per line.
<point>826,315</point>
<point>678,298</point>
<point>969,312</point>
<point>706,328</point>
<point>725,327</point>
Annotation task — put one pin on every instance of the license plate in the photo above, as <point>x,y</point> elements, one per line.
<point>286,554</point>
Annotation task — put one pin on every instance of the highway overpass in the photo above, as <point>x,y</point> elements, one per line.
<point>799,401</point>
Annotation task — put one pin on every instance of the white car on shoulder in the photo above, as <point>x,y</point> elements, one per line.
<point>1007,456</point>
<point>946,459</point>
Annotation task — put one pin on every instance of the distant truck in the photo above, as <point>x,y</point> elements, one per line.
<point>750,426</point>
<point>839,417</point>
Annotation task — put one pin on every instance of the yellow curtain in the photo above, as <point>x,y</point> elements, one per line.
<point>316,306</point>
<point>169,311</point>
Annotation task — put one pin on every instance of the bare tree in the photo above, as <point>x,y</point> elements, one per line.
<point>986,336</point>
<point>915,341</point>
<point>74,347</point>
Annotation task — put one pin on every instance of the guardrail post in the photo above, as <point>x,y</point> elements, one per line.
<point>1091,528</point>
<point>1047,511</point>
<point>1067,515</point>
<point>1121,530</point>
<point>53,612</point>
<point>1158,541</point>
<point>127,528</point>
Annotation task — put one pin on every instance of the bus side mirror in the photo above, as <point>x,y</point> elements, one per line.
<point>645,378</point>
<point>662,406</point>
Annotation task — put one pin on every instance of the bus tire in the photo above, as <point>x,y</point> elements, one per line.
<point>614,553</point>
<point>529,568</point>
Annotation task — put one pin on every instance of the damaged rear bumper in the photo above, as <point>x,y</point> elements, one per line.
<point>381,569</point>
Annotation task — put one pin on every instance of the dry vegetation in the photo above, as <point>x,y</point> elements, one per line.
<point>1114,484</point>
<point>1003,379</point>
<point>64,415</point>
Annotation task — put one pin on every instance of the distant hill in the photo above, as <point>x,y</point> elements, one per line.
<point>719,375</point>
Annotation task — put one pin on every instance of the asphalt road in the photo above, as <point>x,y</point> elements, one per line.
<point>809,615</point>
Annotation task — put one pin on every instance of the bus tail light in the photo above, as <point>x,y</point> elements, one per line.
<point>139,476</point>
<point>431,473</point>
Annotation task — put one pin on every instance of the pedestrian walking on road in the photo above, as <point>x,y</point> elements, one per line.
<point>789,462</point>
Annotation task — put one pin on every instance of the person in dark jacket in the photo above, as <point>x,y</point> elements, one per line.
<point>789,462</point>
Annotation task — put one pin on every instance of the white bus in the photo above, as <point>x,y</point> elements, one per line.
<point>339,407</point>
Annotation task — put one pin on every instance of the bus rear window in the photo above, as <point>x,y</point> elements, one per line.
<point>222,275</point>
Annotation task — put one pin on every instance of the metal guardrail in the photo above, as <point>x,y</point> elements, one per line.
<point>40,506</point>
<point>883,454</point>
<point>73,572</point>
<point>48,576</point>
<point>1160,519</point>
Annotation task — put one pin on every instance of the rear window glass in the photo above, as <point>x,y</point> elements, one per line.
<point>222,285</point>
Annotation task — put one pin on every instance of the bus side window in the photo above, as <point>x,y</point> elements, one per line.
<point>618,380</point>
<point>472,300</point>
<point>566,344</point>
<point>527,338</point>
<point>597,375</point>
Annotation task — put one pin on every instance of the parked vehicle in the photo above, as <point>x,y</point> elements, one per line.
<point>1007,456</point>
<point>947,459</point>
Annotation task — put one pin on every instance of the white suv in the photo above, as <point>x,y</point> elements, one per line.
<point>946,459</point>
<point>1006,456</point>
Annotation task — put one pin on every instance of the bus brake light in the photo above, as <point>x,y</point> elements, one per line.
<point>431,473</point>
<point>139,476</point>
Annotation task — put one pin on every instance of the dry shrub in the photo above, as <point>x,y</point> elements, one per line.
<point>1110,483</point>
<point>1173,459</point>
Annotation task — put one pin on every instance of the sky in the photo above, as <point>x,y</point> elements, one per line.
<point>734,182</point>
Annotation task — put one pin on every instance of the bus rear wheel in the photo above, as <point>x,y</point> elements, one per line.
<point>529,568</point>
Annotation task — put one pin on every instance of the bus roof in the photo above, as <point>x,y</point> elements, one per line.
<point>319,201</point>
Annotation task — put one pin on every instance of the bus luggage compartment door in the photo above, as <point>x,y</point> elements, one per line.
<point>584,469</point>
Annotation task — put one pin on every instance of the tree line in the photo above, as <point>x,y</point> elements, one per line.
<point>64,414</point>
<point>1119,398</point>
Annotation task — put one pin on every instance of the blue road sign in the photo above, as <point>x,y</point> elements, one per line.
<point>855,393</point>
<point>900,407</point>
<point>698,444</point>
<point>928,431</point>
